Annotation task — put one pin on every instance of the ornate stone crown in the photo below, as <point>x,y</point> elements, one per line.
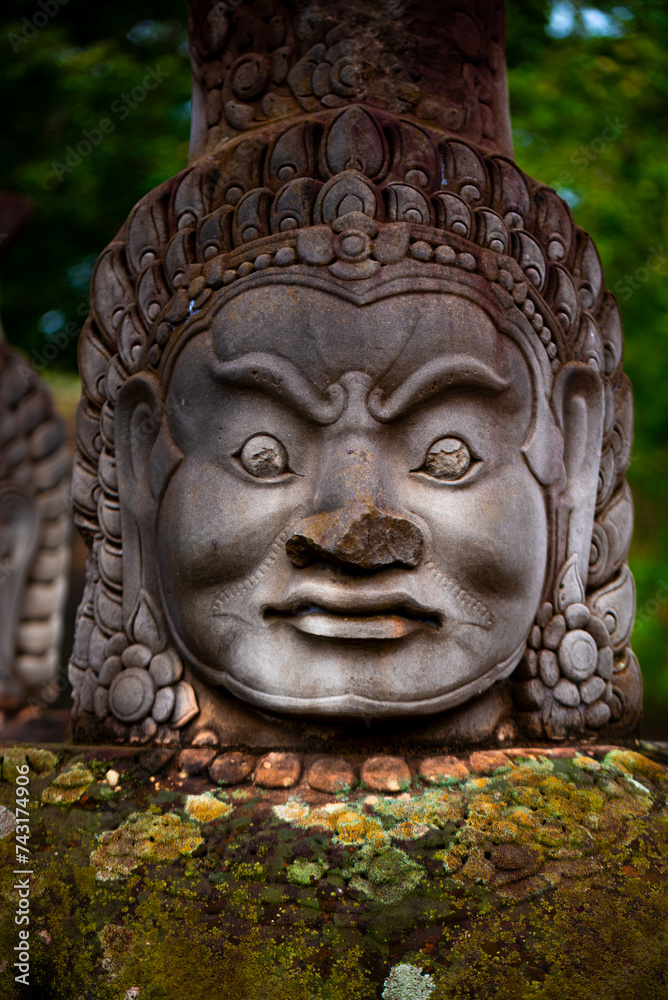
<point>354,195</point>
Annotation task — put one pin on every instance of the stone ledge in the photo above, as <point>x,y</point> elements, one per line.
<point>500,876</point>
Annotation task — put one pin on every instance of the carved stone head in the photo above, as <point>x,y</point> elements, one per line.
<point>354,430</point>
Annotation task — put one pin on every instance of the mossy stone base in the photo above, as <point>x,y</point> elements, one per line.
<point>545,877</point>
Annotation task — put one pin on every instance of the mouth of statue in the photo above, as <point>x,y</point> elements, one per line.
<point>370,618</point>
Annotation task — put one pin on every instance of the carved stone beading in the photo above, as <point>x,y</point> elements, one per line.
<point>359,201</point>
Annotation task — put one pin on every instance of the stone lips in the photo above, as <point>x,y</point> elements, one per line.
<point>281,204</point>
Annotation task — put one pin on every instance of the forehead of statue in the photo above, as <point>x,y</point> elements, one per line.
<point>325,336</point>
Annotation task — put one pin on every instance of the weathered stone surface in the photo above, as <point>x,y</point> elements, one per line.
<point>386,774</point>
<point>240,891</point>
<point>437,770</point>
<point>488,761</point>
<point>155,760</point>
<point>369,539</point>
<point>196,761</point>
<point>331,774</point>
<point>231,768</point>
<point>278,770</point>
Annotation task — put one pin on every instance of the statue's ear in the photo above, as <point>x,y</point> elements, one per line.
<point>145,457</point>
<point>577,402</point>
<point>19,533</point>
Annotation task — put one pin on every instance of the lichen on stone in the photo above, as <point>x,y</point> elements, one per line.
<point>305,872</point>
<point>143,837</point>
<point>412,816</point>
<point>529,820</point>
<point>7,822</point>
<point>40,759</point>
<point>345,821</point>
<point>318,902</point>
<point>206,807</point>
<point>406,818</point>
<point>407,982</point>
<point>250,871</point>
<point>386,875</point>
<point>11,761</point>
<point>68,786</point>
<point>116,942</point>
<point>635,764</point>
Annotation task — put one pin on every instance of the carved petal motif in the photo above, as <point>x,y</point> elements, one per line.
<point>354,142</point>
<point>615,604</point>
<point>111,289</point>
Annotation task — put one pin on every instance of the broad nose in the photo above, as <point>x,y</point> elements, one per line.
<point>357,535</point>
<point>352,522</point>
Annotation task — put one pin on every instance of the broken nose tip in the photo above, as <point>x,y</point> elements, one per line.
<point>368,539</point>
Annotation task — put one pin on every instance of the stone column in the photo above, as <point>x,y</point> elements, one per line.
<point>440,62</point>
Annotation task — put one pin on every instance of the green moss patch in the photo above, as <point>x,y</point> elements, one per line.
<point>143,837</point>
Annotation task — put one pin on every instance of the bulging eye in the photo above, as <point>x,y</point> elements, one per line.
<point>264,457</point>
<point>447,459</point>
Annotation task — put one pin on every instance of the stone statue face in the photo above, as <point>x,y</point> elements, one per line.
<point>358,533</point>
<point>354,441</point>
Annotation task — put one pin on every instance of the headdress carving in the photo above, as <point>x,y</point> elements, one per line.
<point>306,173</point>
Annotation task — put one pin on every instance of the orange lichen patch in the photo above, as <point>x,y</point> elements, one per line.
<point>407,818</point>
<point>69,786</point>
<point>206,807</point>
<point>143,837</point>
<point>587,764</point>
<point>559,813</point>
<point>409,831</point>
<point>434,808</point>
<point>636,764</point>
<point>349,825</point>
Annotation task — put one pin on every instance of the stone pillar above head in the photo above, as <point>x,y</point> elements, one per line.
<point>441,62</point>
<point>354,435</point>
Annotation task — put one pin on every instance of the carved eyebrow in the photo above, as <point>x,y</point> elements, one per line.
<point>431,379</point>
<point>280,378</point>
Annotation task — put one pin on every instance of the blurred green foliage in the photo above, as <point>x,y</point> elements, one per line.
<point>87,66</point>
<point>589,101</point>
